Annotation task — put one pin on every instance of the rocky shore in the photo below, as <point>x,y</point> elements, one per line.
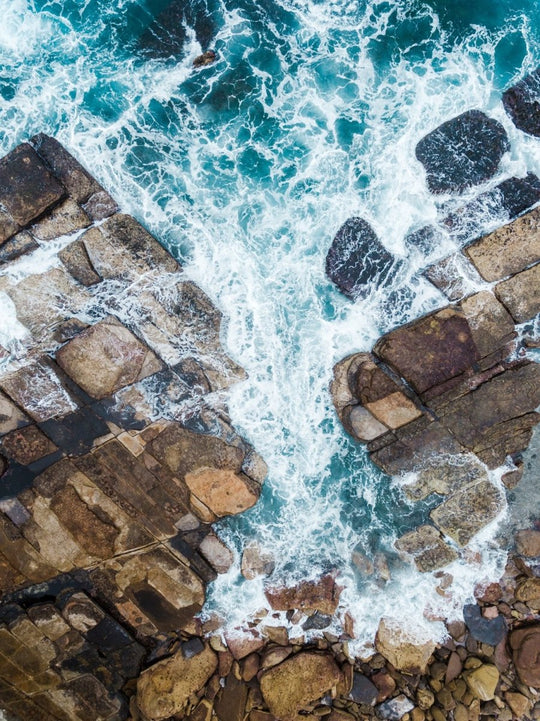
<point>117,455</point>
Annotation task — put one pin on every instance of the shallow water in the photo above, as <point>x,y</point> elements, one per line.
<point>246,170</point>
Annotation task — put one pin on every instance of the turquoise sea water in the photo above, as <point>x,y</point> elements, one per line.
<point>245,170</point>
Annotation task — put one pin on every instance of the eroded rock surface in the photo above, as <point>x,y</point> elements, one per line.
<point>522,103</point>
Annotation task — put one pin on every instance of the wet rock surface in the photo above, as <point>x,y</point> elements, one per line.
<point>462,152</point>
<point>522,103</point>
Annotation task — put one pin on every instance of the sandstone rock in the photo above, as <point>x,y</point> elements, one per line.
<point>385,684</point>
<point>8,227</point>
<point>426,546</point>
<point>519,294</point>
<point>357,261</point>
<point>11,417</point>
<point>394,410</point>
<point>297,683</point>
<point>431,350</point>
<point>27,445</point>
<point>218,555</point>
<point>528,591</point>
<point>509,249</point>
<point>525,644</point>
<point>244,643</point>
<point>486,630</point>
<point>522,103</point>
<point>482,681</point>
<point>468,510</point>
<point>18,245</point>
<point>230,704</point>
<point>164,689</point>
<point>445,474</point>
<point>275,655</point>
<point>401,650</point>
<point>361,424</point>
<point>491,325</point>
<point>105,358</point>
<point>454,276</point>
<point>77,262</point>
<point>64,219</point>
<point>528,543</point>
<point>320,595</point>
<point>223,491</point>
<point>256,562</point>
<point>395,709</point>
<point>343,385</point>
<point>27,188</point>
<point>519,704</point>
<point>100,205</point>
<point>462,152</point>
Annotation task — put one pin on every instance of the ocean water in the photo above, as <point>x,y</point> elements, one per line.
<point>245,170</point>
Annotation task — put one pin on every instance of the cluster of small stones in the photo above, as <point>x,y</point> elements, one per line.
<point>116,453</point>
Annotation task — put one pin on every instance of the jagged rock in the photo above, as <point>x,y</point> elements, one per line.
<point>256,562</point>
<point>486,630</point>
<point>520,294</point>
<point>165,689</point>
<point>408,656</point>
<point>426,546</point>
<point>528,543</point>
<point>508,250</point>
<point>297,682</point>
<point>320,595</point>
<point>462,152</point>
<point>395,709</point>
<point>525,644</point>
<point>357,261</point>
<point>482,681</point>
<point>27,445</point>
<point>205,59</point>
<point>522,103</point>
<point>105,358</point>
<point>528,591</point>
<point>27,188</point>
<point>468,510</point>
<point>445,474</point>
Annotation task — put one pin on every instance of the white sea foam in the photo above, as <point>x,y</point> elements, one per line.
<point>192,171</point>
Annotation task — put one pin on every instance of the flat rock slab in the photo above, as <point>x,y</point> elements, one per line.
<point>27,188</point>
<point>468,510</point>
<point>105,358</point>
<point>357,262</point>
<point>520,294</point>
<point>462,152</point>
<point>485,630</point>
<point>508,250</point>
<point>522,103</point>
<point>426,546</point>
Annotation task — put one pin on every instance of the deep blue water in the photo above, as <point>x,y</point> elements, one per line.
<point>245,170</point>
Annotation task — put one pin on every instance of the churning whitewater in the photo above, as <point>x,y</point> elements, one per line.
<point>245,170</point>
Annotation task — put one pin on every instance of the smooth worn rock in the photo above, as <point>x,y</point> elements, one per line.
<point>491,325</point>
<point>222,491</point>
<point>519,704</point>
<point>519,294</point>
<point>77,262</point>
<point>455,276</point>
<point>507,250</point>
<point>27,188</point>
<point>468,510</point>
<point>462,152</point>
<point>401,650</point>
<point>528,542</point>
<point>485,630</point>
<point>482,681</point>
<point>297,683</point>
<point>320,595</point>
<point>106,357</point>
<point>363,690</point>
<point>426,546</point>
<point>522,103</point>
<point>362,424</point>
<point>165,689</point>
<point>357,262</point>
<point>218,555</point>
<point>525,644</point>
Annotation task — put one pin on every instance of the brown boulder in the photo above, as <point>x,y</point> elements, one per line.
<point>528,543</point>
<point>107,357</point>
<point>482,681</point>
<point>321,595</point>
<point>520,294</point>
<point>256,562</point>
<point>525,644</point>
<point>403,652</point>
<point>297,683</point>
<point>165,689</point>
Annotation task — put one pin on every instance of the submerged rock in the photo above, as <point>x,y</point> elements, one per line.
<point>206,58</point>
<point>462,152</point>
<point>522,103</point>
<point>357,261</point>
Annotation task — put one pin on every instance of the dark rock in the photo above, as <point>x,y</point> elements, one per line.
<point>363,691</point>
<point>166,35</point>
<point>27,445</point>
<point>357,262</point>
<point>76,260</point>
<point>231,701</point>
<point>486,630</point>
<point>27,188</point>
<point>318,620</point>
<point>462,152</point>
<point>206,58</point>
<point>20,244</point>
<point>522,103</point>
<point>192,647</point>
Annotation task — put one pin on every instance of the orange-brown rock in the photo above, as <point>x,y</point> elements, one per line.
<point>223,491</point>
<point>321,595</point>
<point>525,644</point>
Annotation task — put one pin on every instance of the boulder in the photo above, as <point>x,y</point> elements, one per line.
<point>165,688</point>
<point>402,650</point>
<point>298,682</point>
<point>363,690</point>
<point>507,250</point>
<point>77,262</point>
<point>525,644</point>
<point>16,246</point>
<point>256,562</point>
<point>218,555</point>
<point>205,59</point>
<point>522,103</point>
<point>462,152</point>
<point>64,219</point>
<point>528,591</point>
<point>482,681</point>
<point>482,629</point>
<point>361,424</point>
<point>427,548</point>
<point>357,262</point>
<point>106,357</point>
<point>520,294</point>
<point>468,510</point>
<point>395,709</point>
<point>528,542</point>
<point>320,595</point>
<point>224,492</point>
